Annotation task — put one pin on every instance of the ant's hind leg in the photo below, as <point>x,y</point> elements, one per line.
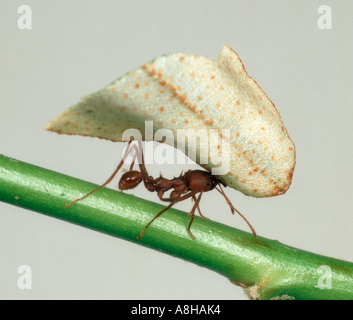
<point>126,153</point>
<point>133,160</point>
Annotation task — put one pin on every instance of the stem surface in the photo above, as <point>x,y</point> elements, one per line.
<point>267,269</point>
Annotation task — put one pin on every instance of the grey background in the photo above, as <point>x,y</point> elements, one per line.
<point>77,47</point>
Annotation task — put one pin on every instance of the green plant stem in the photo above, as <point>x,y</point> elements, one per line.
<point>267,268</point>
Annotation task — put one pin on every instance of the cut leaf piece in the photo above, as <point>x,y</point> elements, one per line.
<point>180,91</point>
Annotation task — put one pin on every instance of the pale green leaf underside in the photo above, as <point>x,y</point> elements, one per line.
<point>180,91</point>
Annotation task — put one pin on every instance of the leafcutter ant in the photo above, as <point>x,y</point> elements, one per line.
<point>192,184</point>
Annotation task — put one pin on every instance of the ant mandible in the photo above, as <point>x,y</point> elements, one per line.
<point>189,185</point>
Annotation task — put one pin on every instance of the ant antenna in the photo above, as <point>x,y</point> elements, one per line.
<point>234,209</point>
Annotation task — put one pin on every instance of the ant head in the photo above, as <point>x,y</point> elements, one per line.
<point>202,181</point>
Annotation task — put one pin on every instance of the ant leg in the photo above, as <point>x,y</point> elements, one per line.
<point>127,151</point>
<point>133,160</point>
<point>159,213</point>
<point>192,213</point>
<point>147,179</point>
<point>235,210</point>
<point>141,162</point>
<point>199,210</point>
<point>188,195</point>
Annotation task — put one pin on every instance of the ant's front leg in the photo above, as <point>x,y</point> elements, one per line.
<point>233,209</point>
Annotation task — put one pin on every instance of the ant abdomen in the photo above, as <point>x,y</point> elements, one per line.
<point>130,180</point>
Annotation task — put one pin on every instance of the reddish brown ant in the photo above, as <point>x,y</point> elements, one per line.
<point>188,185</point>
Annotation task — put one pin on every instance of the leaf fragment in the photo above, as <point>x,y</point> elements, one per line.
<point>180,92</point>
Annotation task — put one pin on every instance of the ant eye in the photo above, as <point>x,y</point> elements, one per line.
<point>207,183</point>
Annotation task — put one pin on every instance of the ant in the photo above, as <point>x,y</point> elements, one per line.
<point>192,185</point>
